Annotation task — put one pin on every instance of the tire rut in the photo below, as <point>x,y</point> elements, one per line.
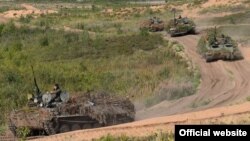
<point>222,83</point>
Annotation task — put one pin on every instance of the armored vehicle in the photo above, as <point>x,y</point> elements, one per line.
<point>86,110</point>
<point>153,25</point>
<point>180,26</point>
<point>214,45</point>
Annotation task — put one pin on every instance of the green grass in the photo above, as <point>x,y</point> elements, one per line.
<point>108,53</point>
<point>170,92</point>
<point>235,25</point>
<point>2,129</point>
<point>237,18</point>
<point>6,7</point>
<point>158,136</point>
<point>190,3</point>
<point>126,65</point>
<point>248,98</point>
<point>200,103</point>
<point>222,8</point>
<point>95,20</point>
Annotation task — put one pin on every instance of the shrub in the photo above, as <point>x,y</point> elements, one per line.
<point>23,133</point>
<point>2,129</point>
<point>26,19</point>
<point>78,61</point>
<point>9,28</point>
<point>44,41</point>
<point>158,136</point>
<point>144,32</point>
<point>248,98</point>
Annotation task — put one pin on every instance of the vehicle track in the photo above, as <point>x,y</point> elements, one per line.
<point>222,83</point>
<point>151,126</point>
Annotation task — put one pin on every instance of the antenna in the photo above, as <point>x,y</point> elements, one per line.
<point>215,32</point>
<point>37,88</point>
<point>174,11</point>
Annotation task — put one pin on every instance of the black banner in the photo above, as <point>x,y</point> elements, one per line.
<point>212,132</point>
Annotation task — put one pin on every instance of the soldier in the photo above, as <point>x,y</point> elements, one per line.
<point>56,93</point>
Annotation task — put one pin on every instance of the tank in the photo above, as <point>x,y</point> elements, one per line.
<point>47,114</point>
<point>214,45</point>
<point>180,26</point>
<point>87,110</point>
<point>153,25</point>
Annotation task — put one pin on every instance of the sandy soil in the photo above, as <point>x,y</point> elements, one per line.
<point>219,2</point>
<point>166,124</point>
<point>223,83</point>
<point>29,9</point>
<point>194,12</point>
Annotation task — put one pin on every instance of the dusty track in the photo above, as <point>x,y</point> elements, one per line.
<point>148,127</point>
<point>222,83</point>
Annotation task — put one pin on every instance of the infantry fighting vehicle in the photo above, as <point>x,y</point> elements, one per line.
<point>87,110</point>
<point>180,26</point>
<point>214,45</point>
<point>153,25</point>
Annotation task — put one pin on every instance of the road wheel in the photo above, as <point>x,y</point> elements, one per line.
<point>76,127</point>
<point>208,59</point>
<point>96,125</point>
<point>64,128</point>
<point>232,56</point>
<point>86,126</point>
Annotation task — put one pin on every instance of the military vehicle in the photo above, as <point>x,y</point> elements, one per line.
<point>87,110</point>
<point>214,45</point>
<point>180,26</point>
<point>153,25</point>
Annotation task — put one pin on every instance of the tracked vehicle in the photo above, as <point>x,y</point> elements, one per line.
<point>153,25</point>
<point>84,111</point>
<point>180,26</point>
<point>214,45</point>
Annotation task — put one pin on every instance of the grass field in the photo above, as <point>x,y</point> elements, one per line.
<point>84,47</point>
<point>158,136</point>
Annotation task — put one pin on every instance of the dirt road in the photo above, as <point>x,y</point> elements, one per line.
<point>150,126</point>
<point>222,83</point>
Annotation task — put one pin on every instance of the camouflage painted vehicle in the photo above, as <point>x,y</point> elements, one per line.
<point>180,26</point>
<point>215,46</point>
<point>88,110</point>
<point>153,25</point>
